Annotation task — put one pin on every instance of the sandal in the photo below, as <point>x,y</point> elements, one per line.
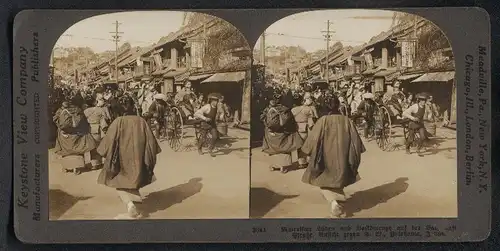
<point>77,171</point>
<point>273,168</point>
<point>336,210</point>
<point>133,212</point>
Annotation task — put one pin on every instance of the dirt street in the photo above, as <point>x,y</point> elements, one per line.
<point>393,184</point>
<point>188,186</point>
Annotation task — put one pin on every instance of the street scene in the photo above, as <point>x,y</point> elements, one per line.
<point>150,121</point>
<point>353,122</point>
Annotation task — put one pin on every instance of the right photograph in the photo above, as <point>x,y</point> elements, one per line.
<point>353,116</point>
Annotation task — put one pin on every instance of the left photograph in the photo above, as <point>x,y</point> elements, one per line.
<point>149,117</point>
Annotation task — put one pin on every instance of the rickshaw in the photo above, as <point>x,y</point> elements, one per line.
<point>177,126</point>
<point>387,119</point>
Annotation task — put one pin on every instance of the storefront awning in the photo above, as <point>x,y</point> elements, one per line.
<point>385,72</point>
<point>409,76</point>
<point>436,77</point>
<point>225,77</point>
<point>182,76</point>
<point>199,77</point>
<point>174,73</point>
<point>371,71</point>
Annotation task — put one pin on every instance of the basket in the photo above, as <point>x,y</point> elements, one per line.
<point>431,128</point>
<point>222,128</point>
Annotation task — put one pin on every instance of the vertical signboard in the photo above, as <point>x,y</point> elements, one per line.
<point>197,54</point>
<point>407,53</point>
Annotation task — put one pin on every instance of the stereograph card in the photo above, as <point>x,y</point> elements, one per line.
<point>296,125</point>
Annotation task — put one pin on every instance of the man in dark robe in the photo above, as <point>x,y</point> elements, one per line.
<point>335,149</point>
<point>130,150</point>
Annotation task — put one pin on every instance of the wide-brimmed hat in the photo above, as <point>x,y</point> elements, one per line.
<point>160,96</point>
<point>368,95</point>
<point>421,96</point>
<point>214,96</point>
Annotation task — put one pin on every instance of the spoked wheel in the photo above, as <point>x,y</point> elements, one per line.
<point>175,127</point>
<point>205,138</point>
<point>416,137</point>
<point>384,134</point>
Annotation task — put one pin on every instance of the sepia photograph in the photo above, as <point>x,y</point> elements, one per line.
<point>353,116</point>
<point>149,118</point>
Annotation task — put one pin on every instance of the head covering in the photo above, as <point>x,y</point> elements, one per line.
<point>187,98</point>
<point>307,95</point>
<point>277,94</point>
<point>160,96</point>
<point>368,95</point>
<point>126,105</point>
<point>212,97</point>
<point>332,103</point>
<point>396,84</point>
<point>421,96</point>
<point>100,102</point>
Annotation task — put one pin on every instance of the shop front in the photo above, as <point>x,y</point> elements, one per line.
<point>231,85</point>
<point>442,86</point>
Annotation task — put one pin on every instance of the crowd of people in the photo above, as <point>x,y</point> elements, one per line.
<point>321,126</point>
<point>119,130</point>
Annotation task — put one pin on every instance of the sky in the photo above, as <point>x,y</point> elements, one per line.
<point>143,28</point>
<point>351,27</point>
<point>140,28</point>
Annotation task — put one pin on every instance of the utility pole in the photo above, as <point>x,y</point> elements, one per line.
<point>116,38</point>
<point>328,36</point>
<point>263,48</point>
<point>415,36</point>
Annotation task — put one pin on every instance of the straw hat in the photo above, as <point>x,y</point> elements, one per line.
<point>160,96</point>
<point>368,95</point>
<point>422,96</point>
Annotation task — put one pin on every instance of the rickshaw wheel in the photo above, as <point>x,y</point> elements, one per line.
<point>206,139</point>
<point>175,129</point>
<point>406,134</point>
<point>384,137</point>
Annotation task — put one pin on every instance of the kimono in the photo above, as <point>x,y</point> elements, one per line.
<point>431,117</point>
<point>130,150</point>
<point>222,118</point>
<point>335,149</point>
<point>74,137</point>
<point>157,111</point>
<point>97,118</point>
<point>281,136</point>
<point>304,116</point>
<point>367,109</point>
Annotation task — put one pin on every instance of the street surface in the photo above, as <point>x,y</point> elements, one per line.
<point>188,186</point>
<point>393,184</point>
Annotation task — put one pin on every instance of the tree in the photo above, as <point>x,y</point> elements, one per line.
<point>220,38</point>
<point>223,37</point>
<point>430,40</point>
